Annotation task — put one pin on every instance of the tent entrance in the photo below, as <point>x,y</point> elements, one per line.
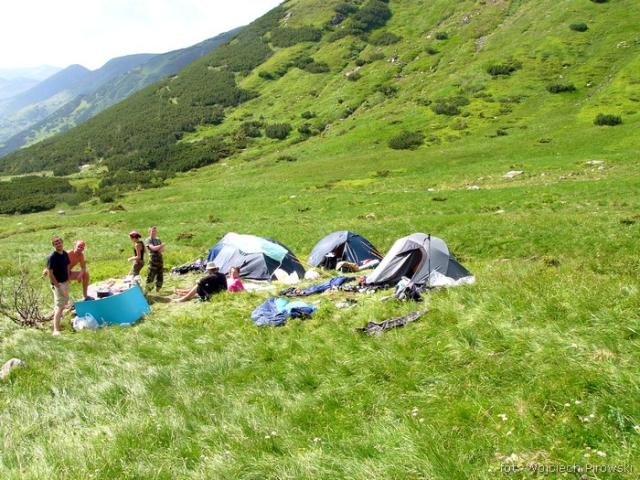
<point>410,264</point>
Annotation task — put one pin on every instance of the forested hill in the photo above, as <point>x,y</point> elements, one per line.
<point>396,74</point>
<point>105,91</point>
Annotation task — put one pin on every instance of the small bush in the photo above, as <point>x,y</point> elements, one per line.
<point>360,62</point>
<point>287,37</point>
<point>305,129</point>
<point>431,51</point>
<point>449,105</point>
<point>603,119</point>
<point>371,15</point>
<point>387,90</point>
<point>442,36</point>
<point>345,8</point>
<point>278,131</point>
<point>579,27</point>
<point>384,38</point>
<point>308,115</point>
<point>503,69</point>
<point>561,87</point>
<point>266,75</point>
<point>407,141</point>
<point>354,77</point>
<point>599,1</point>
<point>286,158</point>
<point>252,129</point>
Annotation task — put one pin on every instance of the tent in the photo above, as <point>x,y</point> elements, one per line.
<point>415,257</point>
<point>258,258</point>
<point>345,245</point>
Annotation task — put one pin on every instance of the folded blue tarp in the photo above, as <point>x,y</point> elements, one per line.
<point>124,308</point>
<point>275,312</point>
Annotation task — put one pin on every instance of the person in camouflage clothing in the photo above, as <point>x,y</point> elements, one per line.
<point>156,263</point>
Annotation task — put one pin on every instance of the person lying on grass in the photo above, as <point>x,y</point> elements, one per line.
<point>212,282</point>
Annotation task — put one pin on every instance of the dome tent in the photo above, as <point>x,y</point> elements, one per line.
<point>419,257</point>
<point>345,245</point>
<point>257,257</point>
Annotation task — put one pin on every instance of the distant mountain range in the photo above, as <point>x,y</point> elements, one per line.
<point>14,81</point>
<point>75,94</point>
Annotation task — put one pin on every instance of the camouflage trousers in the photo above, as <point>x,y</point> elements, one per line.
<point>155,272</point>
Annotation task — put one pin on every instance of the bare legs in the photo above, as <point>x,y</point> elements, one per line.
<point>187,294</point>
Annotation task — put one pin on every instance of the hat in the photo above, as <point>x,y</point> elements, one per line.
<point>212,266</point>
<point>79,243</point>
<point>134,233</point>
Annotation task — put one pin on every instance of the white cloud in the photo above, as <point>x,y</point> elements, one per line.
<point>90,32</point>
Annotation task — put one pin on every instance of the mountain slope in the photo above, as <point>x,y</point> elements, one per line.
<point>22,111</point>
<point>87,105</point>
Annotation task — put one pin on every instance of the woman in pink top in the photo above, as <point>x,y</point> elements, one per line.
<point>235,284</point>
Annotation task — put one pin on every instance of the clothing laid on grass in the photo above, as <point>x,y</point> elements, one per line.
<point>276,311</point>
<point>335,282</point>
<point>197,266</point>
<point>214,283</point>
<point>374,328</point>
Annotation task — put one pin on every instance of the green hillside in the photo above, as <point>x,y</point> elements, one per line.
<point>104,94</point>
<point>533,368</point>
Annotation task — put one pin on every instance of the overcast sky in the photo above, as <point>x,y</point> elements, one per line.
<point>90,32</point>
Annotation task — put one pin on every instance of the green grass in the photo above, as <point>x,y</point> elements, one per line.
<point>535,363</point>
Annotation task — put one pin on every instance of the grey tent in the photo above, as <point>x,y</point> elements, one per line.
<point>258,258</point>
<point>414,257</point>
<point>344,245</point>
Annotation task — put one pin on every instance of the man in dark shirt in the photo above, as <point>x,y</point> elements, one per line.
<point>211,283</point>
<point>58,271</point>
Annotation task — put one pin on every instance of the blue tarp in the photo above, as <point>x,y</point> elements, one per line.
<point>125,308</point>
<point>275,312</point>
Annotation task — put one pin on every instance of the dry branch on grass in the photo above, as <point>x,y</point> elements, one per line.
<point>21,301</point>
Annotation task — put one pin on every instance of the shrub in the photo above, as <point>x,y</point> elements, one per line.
<point>374,57</point>
<point>287,37</point>
<point>449,105</point>
<point>579,27</point>
<point>278,131</point>
<point>431,51</point>
<point>308,115</point>
<point>252,129</point>
<point>561,87</point>
<point>317,67</point>
<point>346,9</point>
<point>266,75</point>
<point>305,129</point>
<point>286,158</point>
<point>384,38</point>
<point>387,90</point>
<point>372,15</point>
<point>442,35</point>
<point>599,1</point>
<point>407,141</point>
<point>354,77</point>
<point>607,119</point>
<point>503,69</point>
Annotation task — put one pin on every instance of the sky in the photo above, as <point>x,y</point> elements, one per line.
<point>91,32</point>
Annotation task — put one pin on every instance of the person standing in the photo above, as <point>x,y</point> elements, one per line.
<point>138,253</point>
<point>76,257</point>
<point>58,271</point>
<point>156,262</point>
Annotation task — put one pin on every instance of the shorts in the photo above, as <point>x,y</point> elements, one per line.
<point>60,294</point>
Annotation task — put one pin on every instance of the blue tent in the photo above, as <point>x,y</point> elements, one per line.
<point>257,257</point>
<point>344,245</point>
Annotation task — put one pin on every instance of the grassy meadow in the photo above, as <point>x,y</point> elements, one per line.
<point>534,365</point>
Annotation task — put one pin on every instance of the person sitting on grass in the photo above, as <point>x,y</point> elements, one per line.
<point>234,284</point>
<point>212,282</point>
